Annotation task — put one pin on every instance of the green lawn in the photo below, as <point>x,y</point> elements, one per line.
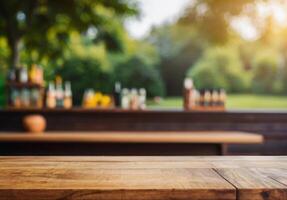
<point>233,102</point>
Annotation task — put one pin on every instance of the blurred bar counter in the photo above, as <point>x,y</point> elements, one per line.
<point>271,124</point>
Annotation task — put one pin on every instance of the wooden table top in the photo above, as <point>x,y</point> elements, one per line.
<point>143,178</point>
<point>227,137</point>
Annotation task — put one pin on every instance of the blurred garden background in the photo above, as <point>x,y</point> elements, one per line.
<point>239,45</point>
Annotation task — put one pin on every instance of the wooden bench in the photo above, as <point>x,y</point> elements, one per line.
<point>124,143</point>
<point>143,178</point>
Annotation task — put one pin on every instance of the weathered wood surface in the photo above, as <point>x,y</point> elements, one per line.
<point>219,137</point>
<point>144,178</point>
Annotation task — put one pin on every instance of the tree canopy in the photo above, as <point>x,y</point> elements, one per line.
<point>213,17</point>
<point>43,26</point>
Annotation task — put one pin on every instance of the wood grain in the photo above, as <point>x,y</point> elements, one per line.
<point>251,184</point>
<point>142,178</point>
<point>215,137</point>
<point>75,183</point>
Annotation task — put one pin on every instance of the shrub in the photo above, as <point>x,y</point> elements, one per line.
<point>219,68</point>
<point>86,73</point>
<point>265,73</point>
<point>136,72</point>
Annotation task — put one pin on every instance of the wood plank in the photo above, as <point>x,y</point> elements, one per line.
<point>104,184</point>
<point>141,178</point>
<point>279,174</point>
<point>216,137</point>
<point>251,184</point>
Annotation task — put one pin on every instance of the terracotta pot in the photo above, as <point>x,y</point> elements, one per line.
<point>34,124</point>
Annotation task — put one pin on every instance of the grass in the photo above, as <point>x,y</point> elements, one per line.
<point>241,101</point>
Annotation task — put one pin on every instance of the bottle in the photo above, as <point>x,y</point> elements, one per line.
<point>36,74</point>
<point>142,98</point>
<point>34,98</point>
<point>51,96</point>
<point>33,74</point>
<point>11,76</point>
<point>187,94</point>
<point>22,75</point>
<point>125,102</point>
<point>16,99</point>
<point>201,98</point>
<point>117,95</point>
<point>68,102</point>
<point>215,98</point>
<point>134,100</point>
<point>196,96</point>
<point>25,98</point>
<point>207,98</point>
<point>39,75</point>
<point>59,93</point>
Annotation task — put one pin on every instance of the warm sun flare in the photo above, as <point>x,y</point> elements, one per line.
<point>277,9</point>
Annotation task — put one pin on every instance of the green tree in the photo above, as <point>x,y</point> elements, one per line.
<point>219,68</point>
<point>86,73</point>
<point>177,53</point>
<point>138,72</point>
<point>43,26</point>
<point>137,67</point>
<point>265,72</point>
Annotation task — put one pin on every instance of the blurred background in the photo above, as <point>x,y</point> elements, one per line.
<point>238,45</point>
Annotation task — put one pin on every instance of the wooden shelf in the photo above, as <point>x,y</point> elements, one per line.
<point>215,137</point>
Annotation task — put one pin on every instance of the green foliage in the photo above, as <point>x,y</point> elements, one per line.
<point>265,72</point>
<point>86,73</point>
<point>219,68</point>
<point>178,52</point>
<point>91,66</point>
<point>136,72</point>
<point>43,26</point>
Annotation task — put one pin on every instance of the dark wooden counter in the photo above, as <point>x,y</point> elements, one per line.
<point>271,124</point>
<point>143,178</point>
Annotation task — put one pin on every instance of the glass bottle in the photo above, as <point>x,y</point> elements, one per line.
<point>11,76</point>
<point>117,94</point>
<point>207,98</point>
<point>215,98</point>
<point>125,99</point>
<point>68,102</point>
<point>142,98</point>
<point>22,75</point>
<point>134,100</point>
<point>59,93</point>
<point>51,96</point>
<point>188,93</point>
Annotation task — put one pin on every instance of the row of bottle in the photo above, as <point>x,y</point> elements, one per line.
<point>59,95</point>
<point>25,98</point>
<point>133,99</point>
<point>23,75</point>
<point>203,98</point>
